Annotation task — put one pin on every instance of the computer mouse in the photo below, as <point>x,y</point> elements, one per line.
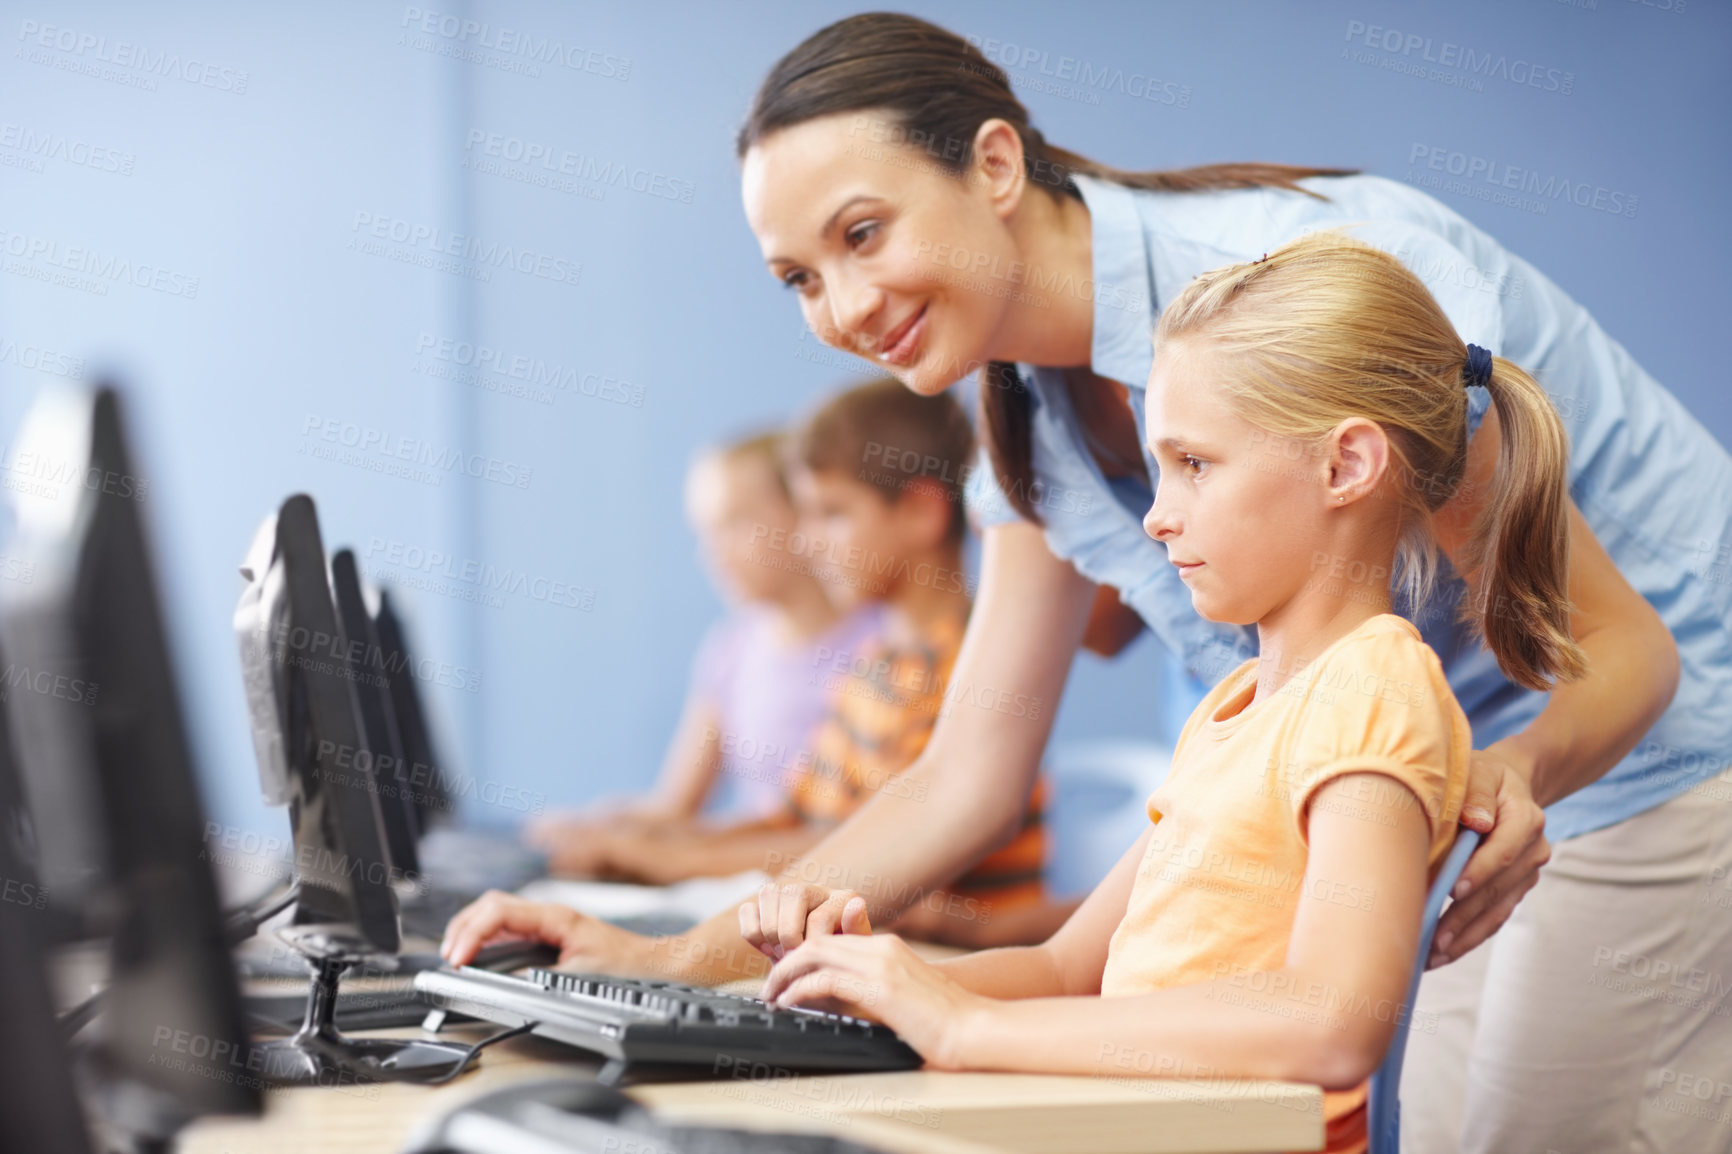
<point>500,1120</point>
<point>578,1116</point>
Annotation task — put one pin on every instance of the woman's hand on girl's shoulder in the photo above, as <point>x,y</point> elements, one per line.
<point>1500,804</point>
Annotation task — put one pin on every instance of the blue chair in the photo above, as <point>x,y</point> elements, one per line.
<point>1383,1109</point>
<point>1095,806</point>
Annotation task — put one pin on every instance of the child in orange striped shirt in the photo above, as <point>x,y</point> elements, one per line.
<point>876,474</point>
<point>1309,415</point>
<point>878,478</point>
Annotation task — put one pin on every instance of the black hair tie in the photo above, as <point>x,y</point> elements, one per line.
<point>1476,370</point>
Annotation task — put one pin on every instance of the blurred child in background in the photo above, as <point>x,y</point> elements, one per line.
<point>753,702</point>
<point>880,477</point>
<point>877,474</point>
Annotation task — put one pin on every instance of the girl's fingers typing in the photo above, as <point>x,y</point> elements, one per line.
<point>751,928</point>
<point>791,916</point>
<point>792,967</point>
<point>854,916</point>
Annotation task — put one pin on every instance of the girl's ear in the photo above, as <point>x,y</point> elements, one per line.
<point>1358,459</point>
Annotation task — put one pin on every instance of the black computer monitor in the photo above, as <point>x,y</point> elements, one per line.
<point>429,791</point>
<point>108,778</point>
<point>22,879</point>
<point>378,714</point>
<point>39,1106</point>
<point>307,736</point>
<point>301,676</point>
<point>451,866</point>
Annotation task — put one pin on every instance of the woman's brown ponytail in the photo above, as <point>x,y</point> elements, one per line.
<point>1005,412</point>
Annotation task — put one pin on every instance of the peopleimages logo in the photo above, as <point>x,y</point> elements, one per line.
<point>47,683</point>
<point>85,52</point>
<point>475,364</point>
<point>980,263</point>
<point>1409,52</point>
<point>105,267</point>
<point>553,161</point>
<point>42,475</point>
<point>299,642</point>
<point>484,578</point>
<point>387,447</point>
<point>463,36</point>
<point>43,360</point>
<point>1074,78</point>
<point>1497,175</point>
<point>39,146</point>
<point>423,243</point>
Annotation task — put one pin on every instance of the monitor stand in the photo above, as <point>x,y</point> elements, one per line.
<point>321,1055</point>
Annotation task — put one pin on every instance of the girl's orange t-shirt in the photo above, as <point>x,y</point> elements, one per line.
<point>1217,891</point>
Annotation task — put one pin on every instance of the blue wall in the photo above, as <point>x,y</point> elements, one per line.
<point>272,152</point>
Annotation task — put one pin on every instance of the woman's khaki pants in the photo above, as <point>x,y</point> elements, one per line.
<point>1600,1017</point>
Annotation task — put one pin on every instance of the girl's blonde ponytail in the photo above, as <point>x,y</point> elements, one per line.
<point>1517,556</point>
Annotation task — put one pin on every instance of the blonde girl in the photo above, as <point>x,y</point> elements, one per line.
<point>1308,412</point>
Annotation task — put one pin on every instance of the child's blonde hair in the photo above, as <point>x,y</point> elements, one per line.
<point>768,447</point>
<point>1327,328</point>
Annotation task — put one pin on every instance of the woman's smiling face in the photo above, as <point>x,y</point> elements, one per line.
<point>870,233</point>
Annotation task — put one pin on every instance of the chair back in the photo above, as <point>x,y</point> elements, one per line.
<point>1383,1107</point>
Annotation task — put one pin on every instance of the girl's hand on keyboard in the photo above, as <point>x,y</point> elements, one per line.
<point>881,978</point>
<point>584,942</point>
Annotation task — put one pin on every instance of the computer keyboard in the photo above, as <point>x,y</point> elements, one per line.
<point>580,1117</point>
<point>644,1023</point>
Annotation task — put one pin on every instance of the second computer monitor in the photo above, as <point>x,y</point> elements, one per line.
<point>391,775</point>
<point>430,792</point>
<point>317,755</point>
<point>312,753</point>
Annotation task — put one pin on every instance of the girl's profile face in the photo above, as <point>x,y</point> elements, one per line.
<point>1239,510</point>
<point>868,234</point>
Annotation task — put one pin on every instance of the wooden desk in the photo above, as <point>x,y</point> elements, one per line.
<point>914,1112</point>
<point>1027,1113</point>
<point>910,1112</point>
